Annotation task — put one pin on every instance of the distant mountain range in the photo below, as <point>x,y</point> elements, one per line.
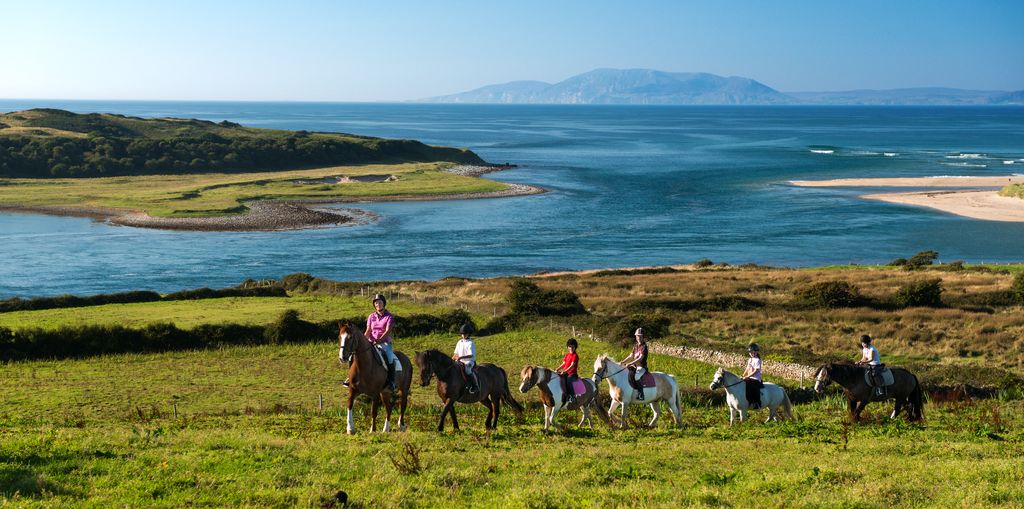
<point>647,86</point>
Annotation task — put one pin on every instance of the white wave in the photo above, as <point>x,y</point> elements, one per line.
<point>1011,161</point>
<point>890,154</point>
<point>951,176</point>
<point>965,165</point>
<point>822,151</point>
<point>967,155</point>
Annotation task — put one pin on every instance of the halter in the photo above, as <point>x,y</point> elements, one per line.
<point>731,385</point>
<point>355,350</point>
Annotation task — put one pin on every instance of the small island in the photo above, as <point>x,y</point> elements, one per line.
<point>191,174</point>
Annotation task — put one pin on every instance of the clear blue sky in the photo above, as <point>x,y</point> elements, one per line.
<point>386,51</point>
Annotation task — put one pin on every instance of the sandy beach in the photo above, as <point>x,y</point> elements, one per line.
<point>980,201</point>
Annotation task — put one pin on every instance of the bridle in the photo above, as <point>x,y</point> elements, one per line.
<point>823,381</point>
<point>599,374</point>
<point>718,382</point>
<point>351,351</point>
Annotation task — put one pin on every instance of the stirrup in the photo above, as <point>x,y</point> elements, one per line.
<point>345,382</point>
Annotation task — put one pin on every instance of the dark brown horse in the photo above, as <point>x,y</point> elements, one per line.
<point>906,389</point>
<point>451,385</point>
<point>367,376</point>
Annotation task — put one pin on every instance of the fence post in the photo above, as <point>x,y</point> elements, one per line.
<point>175,410</point>
<point>801,379</point>
<point>321,403</point>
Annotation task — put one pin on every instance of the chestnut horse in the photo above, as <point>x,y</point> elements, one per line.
<point>451,384</point>
<point>367,376</point>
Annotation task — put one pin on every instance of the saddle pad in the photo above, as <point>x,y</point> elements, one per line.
<point>887,378</point>
<point>579,387</point>
<point>647,380</point>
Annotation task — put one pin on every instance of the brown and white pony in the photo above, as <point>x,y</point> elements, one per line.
<point>367,376</point>
<point>549,384</point>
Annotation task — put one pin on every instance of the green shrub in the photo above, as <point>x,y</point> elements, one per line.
<point>718,303</point>
<point>1017,288</point>
<point>703,263</point>
<point>829,295</point>
<point>527,298</point>
<point>921,259</point>
<point>899,262</point>
<point>926,293</point>
<point>289,328</point>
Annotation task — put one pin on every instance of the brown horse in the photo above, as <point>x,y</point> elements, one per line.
<point>906,389</point>
<point>451,384</point>
<point>367,376</point>
<point>549,384</point>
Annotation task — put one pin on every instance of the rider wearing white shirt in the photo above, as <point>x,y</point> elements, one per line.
<point>869,355</point>
<point>465,353</point>
<point>752,375</point>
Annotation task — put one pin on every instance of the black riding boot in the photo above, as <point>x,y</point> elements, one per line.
<point>474,383</point>
<point>391,377</point>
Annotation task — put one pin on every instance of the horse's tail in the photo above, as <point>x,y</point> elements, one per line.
<point>598,407</point>
<point>787,406</point>
<point>506,395</point>
<point>916,401</point>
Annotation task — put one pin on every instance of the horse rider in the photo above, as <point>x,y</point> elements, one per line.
<point>870,357</point>
<point>752,376</point>
<point>568,370</point>
<point>465,354</point>
<point>378,332</point>
<point>636,362</point>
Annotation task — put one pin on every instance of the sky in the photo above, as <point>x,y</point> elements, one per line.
<point>394,51</point>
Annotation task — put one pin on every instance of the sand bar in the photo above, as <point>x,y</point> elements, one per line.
<point>941,181</point>
<point>986,205</point>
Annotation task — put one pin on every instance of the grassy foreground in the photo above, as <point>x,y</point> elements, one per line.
<point>101,432</point>
<point>191,195</point>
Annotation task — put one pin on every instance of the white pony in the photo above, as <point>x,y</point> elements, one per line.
<point>549,384</point>
<point>772,396</point>
<point>622,393</point>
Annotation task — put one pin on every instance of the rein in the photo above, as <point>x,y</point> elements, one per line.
<point>605,377</point>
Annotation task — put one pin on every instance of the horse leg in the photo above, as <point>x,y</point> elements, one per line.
<point>656,409</point>
<point>373,414</point>
<point>401,411</point>
<point>611,410</point>
<point>387,414</point>
<point>677,414</point>
<point>497,410</point>
<point>351,427</point>
<point>625,406</point>
<point>455,420</point>
<point>771,415</point>
<point>448,406</point>
<point>859,408</point>
<point>554,415</point>
<point>899,405</point>
<point>743,414</point>
<point>547,416</point>
<point>586,417</point>
<point>732,415</point>
<point>490,411</point>
<point>852,405</point>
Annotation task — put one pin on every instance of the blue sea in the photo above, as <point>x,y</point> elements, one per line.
<point>630,186</point>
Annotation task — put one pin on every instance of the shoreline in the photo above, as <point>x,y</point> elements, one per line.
<point>276,215</point>
<point>972,197</point>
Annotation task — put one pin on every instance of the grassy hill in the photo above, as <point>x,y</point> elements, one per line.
<point>45,143</point>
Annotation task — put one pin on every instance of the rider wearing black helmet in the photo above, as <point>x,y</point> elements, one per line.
<point>752,375</point>
<point>568,370</point>
<point>465,354</point>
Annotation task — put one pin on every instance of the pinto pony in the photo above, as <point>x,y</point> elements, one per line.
<point>451,385</point>
<point>772,397</point>
<point>367,376</point>
<point>906,389</point>
<point>549,384</point>
<point>622,393</point>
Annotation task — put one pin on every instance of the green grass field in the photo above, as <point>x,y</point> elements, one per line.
<point>189,313</point>
<point>100,432</point>
<point>215,194</point>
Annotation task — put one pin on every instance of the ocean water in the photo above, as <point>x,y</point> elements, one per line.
<point>630,186</point>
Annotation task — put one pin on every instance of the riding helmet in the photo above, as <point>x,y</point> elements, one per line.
<point>466,329</point>
<point>381,298</point>
<point>572,342</point>
<point>639,331</point>
<point>865,339</point>
<point>753,348</point>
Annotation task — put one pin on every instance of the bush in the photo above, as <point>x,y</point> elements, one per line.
<point>289,328</point>
<point>655,327</point>
<point>1017,288</point>
<point>829,295</point>
<point>719,303</point>
<point>703,263</point>
<point>899,262</point>
<point>926,293</point>
<point>527,298</point>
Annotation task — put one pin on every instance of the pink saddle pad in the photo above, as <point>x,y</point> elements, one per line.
<point>647,380</point>
<point>579,387</point>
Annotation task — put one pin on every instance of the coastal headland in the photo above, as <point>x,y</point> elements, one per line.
<point>183,174</point>
<point>985,198</point>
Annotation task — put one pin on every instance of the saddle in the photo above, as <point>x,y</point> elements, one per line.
<point>647,380</point>
<point>578,386</point>
<point>878,376</point>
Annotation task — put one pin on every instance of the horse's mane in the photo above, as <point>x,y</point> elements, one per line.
<point>435,355</point>
<point>842,369</point>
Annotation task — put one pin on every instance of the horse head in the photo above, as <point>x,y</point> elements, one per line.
<point>347,339</point>
<point>822,378</point>
<point>718,380</point>
<point>528,374</point>
<point>427,362</point>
